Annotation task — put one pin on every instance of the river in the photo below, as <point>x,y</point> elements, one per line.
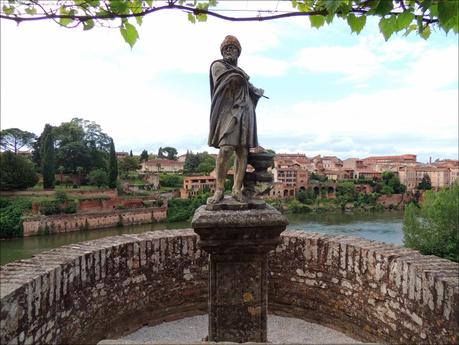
<point>381,226</point>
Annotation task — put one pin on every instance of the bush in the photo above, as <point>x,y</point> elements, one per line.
<point>98,177</point>
<point>433,227</point>
<point>171,180</point>
<point>61,196</point>
<point>17,172</point>
<point>10,217</point>
<point>50,207</point>
<point>295,206</point>
<point>70,208</point>
<point>180,210</point>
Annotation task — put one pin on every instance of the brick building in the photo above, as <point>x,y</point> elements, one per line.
<point>194,185</point>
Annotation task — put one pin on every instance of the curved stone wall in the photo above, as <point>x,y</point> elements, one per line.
<point>371,290</point>
<point>83,293</point>
<point>106,288</point>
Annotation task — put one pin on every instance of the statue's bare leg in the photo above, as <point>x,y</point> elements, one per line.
<point>240,167</point>
<point>221,168</point>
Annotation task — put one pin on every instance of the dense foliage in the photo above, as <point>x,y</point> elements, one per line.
<point>421,16</point>
<point>201,162</point>
<point>112,166</point>
<point>10,216</point>
<point>48,159</point>
<point>171,180</point>
<point>16,172</point>
<point>98,177</point>
<point>425,183</point>
<point>167,153</point>
<point>127,164</point>
<point>81,146</point>
<point>180,210</point>
<point>432,228</point>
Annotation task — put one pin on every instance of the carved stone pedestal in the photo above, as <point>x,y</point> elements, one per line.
<point>238,243</point>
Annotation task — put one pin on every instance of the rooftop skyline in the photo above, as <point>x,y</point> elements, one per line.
<point>331,92</point>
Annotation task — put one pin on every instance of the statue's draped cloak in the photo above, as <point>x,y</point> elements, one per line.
<point>232,114</point>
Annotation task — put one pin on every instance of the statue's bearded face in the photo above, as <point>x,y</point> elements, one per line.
<point>230,53</point>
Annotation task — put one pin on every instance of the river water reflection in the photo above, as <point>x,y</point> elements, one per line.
<point>385,227</point>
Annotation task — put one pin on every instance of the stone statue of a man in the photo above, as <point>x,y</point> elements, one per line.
<point>233,125</point>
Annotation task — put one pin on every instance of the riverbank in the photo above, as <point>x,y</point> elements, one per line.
<point>381,226</point>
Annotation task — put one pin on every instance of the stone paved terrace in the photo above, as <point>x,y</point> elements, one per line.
<point>110,287</point>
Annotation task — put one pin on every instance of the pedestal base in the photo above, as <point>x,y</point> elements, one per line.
<point>238,243</point>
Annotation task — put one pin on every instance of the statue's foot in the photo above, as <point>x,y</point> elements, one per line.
<point>218,196</point>
<point>238,196</point>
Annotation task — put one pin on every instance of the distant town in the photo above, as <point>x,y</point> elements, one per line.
<point>295,172</point>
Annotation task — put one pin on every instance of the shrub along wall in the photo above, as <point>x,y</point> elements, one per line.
<point>86,292</point>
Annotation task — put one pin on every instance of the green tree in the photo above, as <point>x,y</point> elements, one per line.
<point>13,139</point>
<point>167,152</point>
<point>48,160</point>
<point>433,227</point>
<point>73,155</point>
<point>98,177</point>
<point>130,154</point>
<point>112,167</point>
<point>425,183</point>
<point>144,155</point>
<point>421,16</point>
<point>16,172</point>
<point>128,163</point>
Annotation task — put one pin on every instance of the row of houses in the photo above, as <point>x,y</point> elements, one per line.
<point>292,172</point>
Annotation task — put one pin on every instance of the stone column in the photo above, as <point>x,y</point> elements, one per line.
<point>238,243</point>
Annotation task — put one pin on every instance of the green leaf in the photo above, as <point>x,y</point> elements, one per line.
<point>212,3</point>
<point>387,26</point>
<point>317,21</point>
<point>404,20</point>
<point>65,21</point>
<point>93,3</point>
<point>201,17</point>
<point>383,7</point>
<point>88,24</point>
<point>119,6</point>
<point>294,3</point>
<point>425,33</point>
<point>356,23</point>
<point>410,29</point>
<point>129,33</point>
<point>191,18</point>
<point>447,13</point>
<point>329,18</point>
<point>332,5</point>
<point>8,9</point>
<point>31,10</point>
<point>139,20</point>
<point>149,2</point>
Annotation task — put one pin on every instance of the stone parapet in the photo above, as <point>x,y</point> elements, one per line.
<point>83,221</point>
<point>372,290</point>
<point>106,288</point>
<point>86,292</point>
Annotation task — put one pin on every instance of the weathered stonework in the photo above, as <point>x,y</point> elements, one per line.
<point>372,290</point>
<point>238,243</point>
<point>106,288</point>
<point>73,222</point>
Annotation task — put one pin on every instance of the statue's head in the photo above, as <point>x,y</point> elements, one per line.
<point>230,48</point>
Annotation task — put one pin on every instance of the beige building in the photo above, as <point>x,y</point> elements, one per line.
<point>412,176</point>
<point>162,165</point>
<point>390,163</point>
<point>194,185</point>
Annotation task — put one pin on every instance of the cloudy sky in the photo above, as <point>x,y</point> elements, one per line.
<point>331,92</point>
